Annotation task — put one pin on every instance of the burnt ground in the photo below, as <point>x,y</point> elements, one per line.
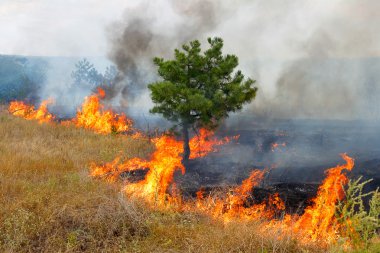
<point>295,169</point>
<point>297,194</point>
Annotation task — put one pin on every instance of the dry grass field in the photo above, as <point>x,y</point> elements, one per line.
<point>48,203</point>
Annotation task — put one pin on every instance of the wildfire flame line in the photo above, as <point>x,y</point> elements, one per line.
<point>92,115</point>
<point>21,109</point>
<point>165,160</point>
<point>318,223</point>
<point>319,219</point>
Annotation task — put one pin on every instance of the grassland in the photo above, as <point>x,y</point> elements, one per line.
<point>48,203</point>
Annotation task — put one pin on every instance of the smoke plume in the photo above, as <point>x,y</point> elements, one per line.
<point>149,30</point>
<point>311,59</point>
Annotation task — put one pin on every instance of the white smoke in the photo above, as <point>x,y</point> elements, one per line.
<point>311,59</point>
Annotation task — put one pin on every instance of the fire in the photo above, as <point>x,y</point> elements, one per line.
<point>21,109</point>
<point>165,160</point>
<point>319,221</point>
<point>233,204</point>
<point>94,116</point>
<point>276,145</point>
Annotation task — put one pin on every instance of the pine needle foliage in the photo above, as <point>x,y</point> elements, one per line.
<point>199,89</point>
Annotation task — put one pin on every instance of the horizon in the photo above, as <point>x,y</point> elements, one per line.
<point>309,59</point>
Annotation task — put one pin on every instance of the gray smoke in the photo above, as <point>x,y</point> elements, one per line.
<point>311,60</point>
<point>149,30</point>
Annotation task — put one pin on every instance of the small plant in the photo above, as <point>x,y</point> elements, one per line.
<point>359,224</point>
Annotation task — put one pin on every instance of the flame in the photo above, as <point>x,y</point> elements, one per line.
<point>235,205</point>
<point>319,221</point>
<point>165,160</point>
<point>276,145</point>
<point>21,109</point>
<point>94,116</point>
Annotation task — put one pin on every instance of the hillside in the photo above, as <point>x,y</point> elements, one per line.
<point>50,204</point>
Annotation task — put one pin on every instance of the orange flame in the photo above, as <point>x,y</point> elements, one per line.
<point>21,109</point>
<point>317,224</point>
<point>276,145</point>
<point>162,164</point>
<point>319,221</point>
<point>93,116</point>
<point>235,205</point>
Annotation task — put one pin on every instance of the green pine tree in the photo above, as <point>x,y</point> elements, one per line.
<point>199,89</point>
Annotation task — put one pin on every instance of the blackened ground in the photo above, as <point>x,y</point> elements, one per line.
<point>296,196</point>
<point>295,168</point>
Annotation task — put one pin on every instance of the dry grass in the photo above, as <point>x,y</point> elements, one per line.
<point>187,232</point>
<point>49,204</point>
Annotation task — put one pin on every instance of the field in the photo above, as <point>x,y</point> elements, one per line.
<point>50,204</point>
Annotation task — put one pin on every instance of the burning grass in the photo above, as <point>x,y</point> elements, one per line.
<point>94,116</point>
<point>52,205</point>
<point>29,112</point>
<point>48,202</point>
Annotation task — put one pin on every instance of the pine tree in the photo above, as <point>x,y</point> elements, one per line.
<point>199,89</point>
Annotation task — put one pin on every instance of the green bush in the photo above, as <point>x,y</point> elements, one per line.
<point>359,224</point>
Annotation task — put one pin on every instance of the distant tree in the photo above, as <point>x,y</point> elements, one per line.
<point>21,77</point>
<point>110,75</point>
<point>85,73</point>
<point>199,89</point>
<point>95,78</point>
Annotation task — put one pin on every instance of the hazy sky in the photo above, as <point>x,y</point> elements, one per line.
<point>57,27</point>
<point>272,27</point>
<point>268,36</point>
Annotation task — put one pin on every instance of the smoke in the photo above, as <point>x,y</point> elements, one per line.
<point>59,85</point>
<point>154,29</point>
<point>311,59</point>
<point>55,27</point>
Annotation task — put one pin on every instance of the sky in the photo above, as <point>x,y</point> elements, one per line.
<point>79,27</point>
<point>57,27</point>
<point>272,39</point>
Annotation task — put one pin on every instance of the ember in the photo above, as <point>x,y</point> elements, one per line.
<point>276,145</point>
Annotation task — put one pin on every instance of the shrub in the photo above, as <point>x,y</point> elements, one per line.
<point>359,224</point>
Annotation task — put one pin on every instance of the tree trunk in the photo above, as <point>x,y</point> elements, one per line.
<point>186,146</point>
